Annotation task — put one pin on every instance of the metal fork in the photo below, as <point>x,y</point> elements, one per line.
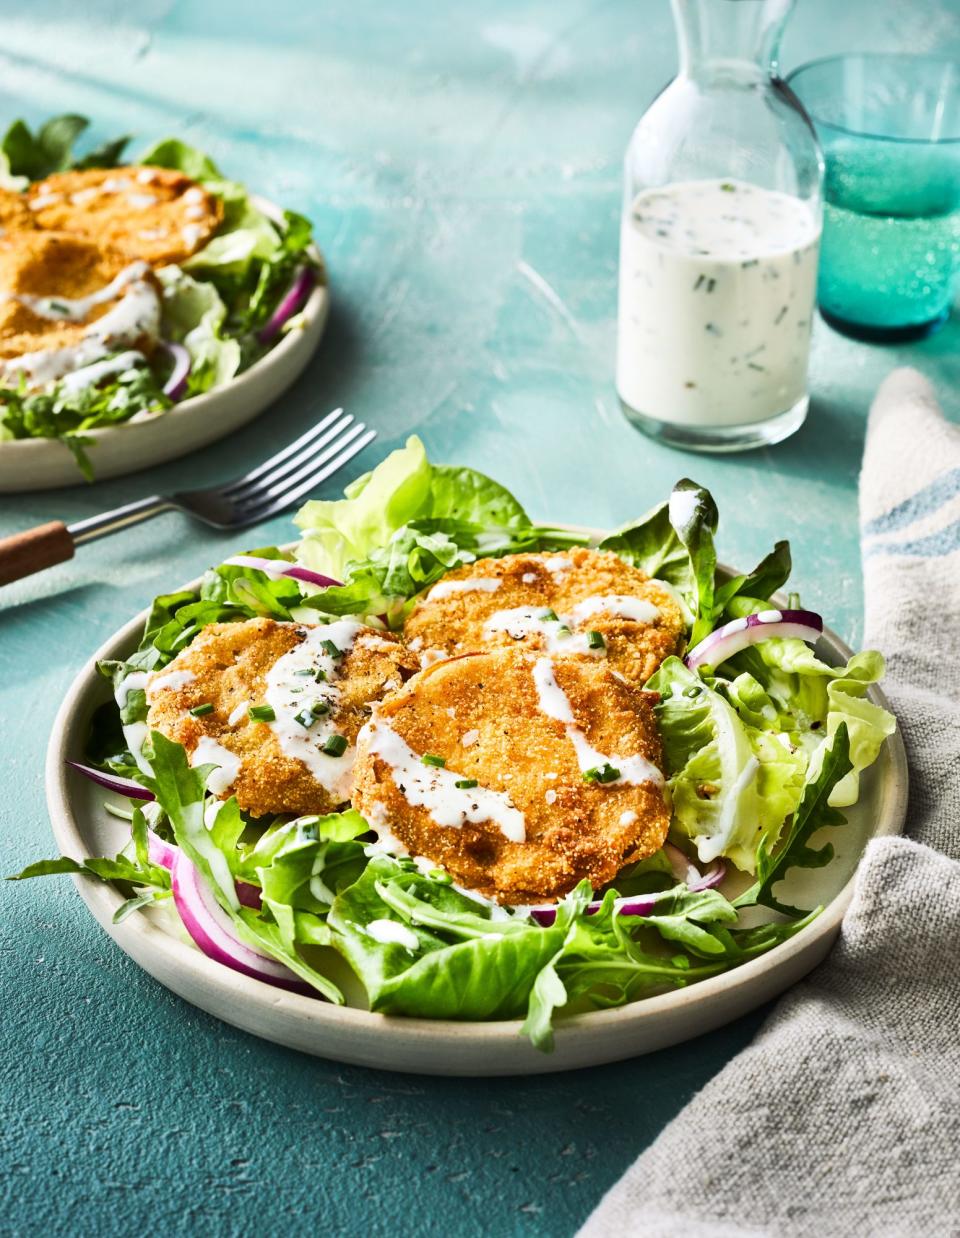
<point>263,492</point>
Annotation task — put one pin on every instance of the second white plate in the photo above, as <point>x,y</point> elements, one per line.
<point>42,463</point>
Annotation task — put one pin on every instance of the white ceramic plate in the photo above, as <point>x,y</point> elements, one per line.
<point>156,941</point>
<point>41,463</point>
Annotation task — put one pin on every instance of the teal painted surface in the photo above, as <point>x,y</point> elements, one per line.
<point>462,165</point>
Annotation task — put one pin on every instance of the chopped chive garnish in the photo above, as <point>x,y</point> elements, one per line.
<point>305,717</point>
<point>595,640</point>
<point>335,745</point>
<point>304,672</point>
<point>262,713</point>
<point>601,773</point>
<point>428,758</point>
<point>320,676</point>
<point>319,708</point>
<point>466,784</point>
<point>563,630</point>
<point>550,616</point>
<point>329,647</point>
<point>205,708</point>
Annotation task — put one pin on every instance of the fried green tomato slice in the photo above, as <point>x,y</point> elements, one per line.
<point>276,707</point>
<point>519,773</point>
<point>579,603</point>
<point>156,214</point>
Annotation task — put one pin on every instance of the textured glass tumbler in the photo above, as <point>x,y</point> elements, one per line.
<point>889,126</point>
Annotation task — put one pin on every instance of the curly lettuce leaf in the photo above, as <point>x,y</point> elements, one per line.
<point>730,783</point>
<point>404,525</point>
<point>776,856</point>
<point>782,685</point>
<point>194,315</point>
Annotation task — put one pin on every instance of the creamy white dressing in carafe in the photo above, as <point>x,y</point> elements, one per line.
<point>717,285</point>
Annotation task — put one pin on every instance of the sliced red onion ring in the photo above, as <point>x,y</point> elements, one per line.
<point>113,782</point>
<point>213,930</point>
<point>176,384</point>
<point>282,567</point>
<point>739,633</point>
<point>293,301</point>
<point>162,854</point>
<point>643,904</point>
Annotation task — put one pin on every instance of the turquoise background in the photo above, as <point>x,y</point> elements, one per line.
<point>462,166</point>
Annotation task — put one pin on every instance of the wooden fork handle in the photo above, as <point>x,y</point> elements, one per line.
<point>34,549</point>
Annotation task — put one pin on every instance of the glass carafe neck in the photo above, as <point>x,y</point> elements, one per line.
<point>742,35</point>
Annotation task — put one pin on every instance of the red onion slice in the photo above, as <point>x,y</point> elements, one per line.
<point>213,930</point>
<point>750,630</point>
<point>113,782</point>
<point>176,384</point>
<point>278,568</point>
<point>163,854</point>
<point>293,301</point>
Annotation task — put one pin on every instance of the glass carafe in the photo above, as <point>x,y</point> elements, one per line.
<point>720,239</point>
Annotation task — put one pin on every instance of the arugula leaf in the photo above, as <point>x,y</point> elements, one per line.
<point>814,811</point>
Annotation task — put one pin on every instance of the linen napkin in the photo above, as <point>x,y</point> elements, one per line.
<point>843,1116</point>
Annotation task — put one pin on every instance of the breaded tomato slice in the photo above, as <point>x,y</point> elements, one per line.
<point>61,290</point>
<point>15,214</point>
<point>156,214</point>
<point>277,707</point>
<point>519,773</point>
<point>580,602</point>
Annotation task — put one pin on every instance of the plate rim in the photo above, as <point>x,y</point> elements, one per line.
<point>315,312</point>
<point>138,931</point>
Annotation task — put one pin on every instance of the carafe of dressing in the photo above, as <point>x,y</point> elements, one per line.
<point>720,239</point>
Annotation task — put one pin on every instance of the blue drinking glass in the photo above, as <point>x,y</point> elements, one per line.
<point>889,126</point>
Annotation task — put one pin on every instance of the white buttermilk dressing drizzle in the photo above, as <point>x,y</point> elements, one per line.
<point>392,932</point>
<point>618,605</point>
<point>75,309</point>
<point>238,713</point>
<point>554,702</point>
<point>209,752</point>
<point>387,842</point>
<point>90,375</point>
<point>521,621</point>
<point>446,588</point>
<point>558,564</point>
<point>717,282</point>
<point>172,681</point>
<point>434,787</point>
<point>290,693</point>
<point>709,847</point>
<point>135,315</point>
<point>135,733</point>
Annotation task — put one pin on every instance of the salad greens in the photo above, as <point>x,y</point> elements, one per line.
<point>216,303</point>
<point>761,752</point>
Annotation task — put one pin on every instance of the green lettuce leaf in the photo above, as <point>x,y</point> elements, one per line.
<point>194,315</point>
<point>730,783</point>
<point>32,156</point>
<point>783,685</point>
<point>775,857</point>
<point>403,526</point>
